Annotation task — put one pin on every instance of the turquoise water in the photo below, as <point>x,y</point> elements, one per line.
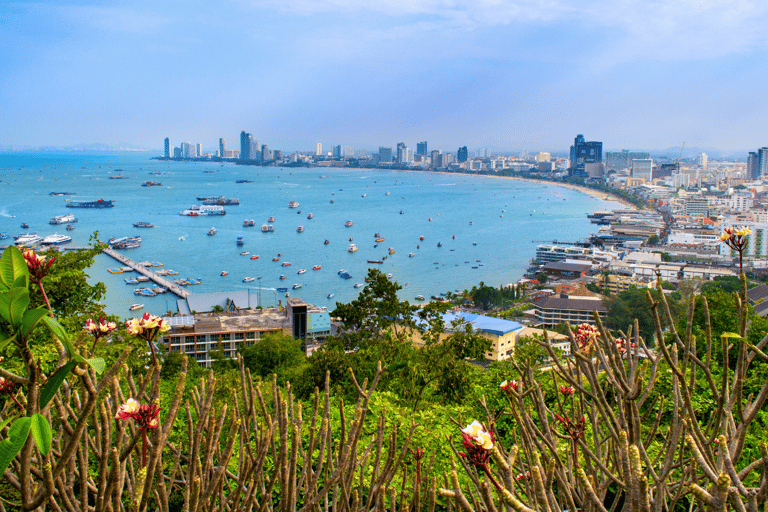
<point>497,223</point>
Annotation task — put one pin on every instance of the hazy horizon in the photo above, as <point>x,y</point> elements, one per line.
<point>506,75</point>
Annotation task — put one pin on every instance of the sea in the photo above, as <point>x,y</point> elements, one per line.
<point>474,228</point>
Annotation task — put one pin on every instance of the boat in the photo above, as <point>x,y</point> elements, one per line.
<point>61,194</point>
<point>411,255</point>
<point>330,295</point>
<point>115,271</point>
<point>56,239</point>
<point>310,216</point>
<point>379,240</point>
<point>358,285</point>
<point>199,210</point>
<point>219,200</point>
<point>293,204</point>
<point>454,237</point>
<point>365,195</point>
<point>172,272</point>
<point>240,240</point>
<point>296,286</point>
<point>248,279</point>
<point>316,267</point>
<point>212,231</point>
<point>271,219</point>
<point>341,271</point>
<point>267,228</point>
<point>282,277</point>
<point>326,242</point>
<point>4,236</point>
<point>249,223</point>
<point>118,177</point>
<point>286,264</point>
<point>70,227</point>
<point>24,225</point>
<point>287,294</point>
<point>126,242</point>
<point>331,201</point>
<point>143,225</point>
<point>420,297</point>
<point>182,238</point>
<point>244,181</point>
<point>391,250</point>
<point>348,224</point>
<point>131,280</point>
<point>352,248</point>
<point>389,276</point>
<point>300,229</point>
<point>135,307</point>
<point>275,259</point>
<point>345,275</point>
<point>151,184</point>
<point>101,203</point>
<point>224,273</point>
<point>301,271</point>
<point>402,212</point>
<point>255,257</point>
<point>63,219</point>
<point>421,238</point>
<point>379,262</point>
<point>439,244</point>
<point>244,253</point>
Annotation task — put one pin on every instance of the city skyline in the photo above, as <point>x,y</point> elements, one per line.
<point>501,75</point>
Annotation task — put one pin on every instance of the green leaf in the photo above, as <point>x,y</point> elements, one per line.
<point>41,433</point>
<point>30,319</point>
<point>13,304</point>
<point>731,335</point>
<point>54,382</point>
<point>17,436</point>
<point>5,339</point>
<point>62,335</point>
<point>12,266</point>
<point>97,363</point>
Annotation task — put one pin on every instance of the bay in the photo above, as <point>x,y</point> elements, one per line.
<point>488,227</point>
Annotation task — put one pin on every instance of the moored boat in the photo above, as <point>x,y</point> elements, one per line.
<point>255,257</point>
<point>70,227</point>
<point>224,273</point>
<point>348,224</point>
<point>135,307</point>
<point>326,242</point>
<point>63,219</point>
<point>151,184</point>
<point>240,240</point>
<point>300,229</point>
<point>199,210</point>
<point>310,216</point>
<point>286,264</point>
<point>143,225</point>
<point>271,219</point>
<point>248,279</point>
<point>56,239</point>
<point>293,204</point>
<point>352,248</point>
<point>301,271</point>
<point>101,203</point>
<point>296,286</point>
<point>358,285</point>
<point>316,267</point>
<point>212,231</point>
<point>249,223</point>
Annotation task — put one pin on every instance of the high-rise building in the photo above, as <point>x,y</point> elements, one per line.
<point>620,160</point>
<point>462,154</point>
<point>319,149</point>
<point>543,157</point>
<point>753,166</point>
<point>349,151</point>
<point>642,168</point>
<point>702,160</point>
<point>245,145</point>
<point>336,152</point>
<point>167,148</point>
<point>198,150</point>
<point>402,153</point>
<point>385,155</point>
<point>186,150</point>
<point>222,148</point>
<point>762,162</point>
<point>421,148</point>
<point>266,154</point>
<point>436,157</point>
<point>583,152</point>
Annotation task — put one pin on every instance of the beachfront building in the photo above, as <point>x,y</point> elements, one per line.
<point>552,311</point>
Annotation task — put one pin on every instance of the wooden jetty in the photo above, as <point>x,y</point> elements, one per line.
<point>165,283</point>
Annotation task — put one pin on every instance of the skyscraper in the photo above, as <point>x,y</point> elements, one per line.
<point>584,152</point>
<point>245,145</point>
<point>198,150</point>
<point>402,153</point>
<point>222,148</point>
<point>336,152</point>
<point>167,148</point>
<point>421,148</point>
<point>319,149</point>
<point>762,162</point>
<point>266,154</point>
<point>642,168</point>
<point>753,166</point>
<point>462,154</point>
<point>385,155</point>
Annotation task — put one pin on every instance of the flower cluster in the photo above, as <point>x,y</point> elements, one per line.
<point>735,238</point>
<point>622,345</point>
<point>145,415</point>
<point>147,326</point>
<point>478,442</point>
<point>37,265</point>
<point>7,386</point>
<point>99,329</point>
<point>586,336</point>
<point>575,428</point>
<point>567,390</point>
<point>510,385</point>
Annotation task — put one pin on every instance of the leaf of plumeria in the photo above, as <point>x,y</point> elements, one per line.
<point>97,363</point>
<point>54,382</point>
<point>30,320</point>
<point>10,446</point>
<point>5,339</point>
<point>41,433</point>
<point>13,304</point>
<point>12,266</point>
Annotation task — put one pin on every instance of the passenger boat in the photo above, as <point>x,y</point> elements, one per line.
<point>143,225</point>
<point>352,248</point>
<point>296,286</point>
<point>316,267</point>
<point>255,257</point>
<point>135,307</point>
<point>101,203</point>
<point>219,200</point>
<point>63,219</point>
<point>212,231</point>
<point>310,216</point>
<point>293,204</point>
<point>286,264</point>
<point>56,239</point>
<point>118,177</point>
<point>300,229</point>
<point>200,210</point>
<point>224,273</point>
<point>126,242</point>
<point>248,279</point>
<point>240,240</point>
<point>301,271</point>
<point>348,224</point>
<point>249,223</point>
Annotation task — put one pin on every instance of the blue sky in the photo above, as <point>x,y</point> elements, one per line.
<point>509,75</point>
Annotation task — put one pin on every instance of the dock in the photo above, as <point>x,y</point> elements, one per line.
<point>141,269</point>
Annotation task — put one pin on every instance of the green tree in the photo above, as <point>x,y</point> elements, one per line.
<point>653,240</point>
<point>542,277</point>
<point>275,353</point>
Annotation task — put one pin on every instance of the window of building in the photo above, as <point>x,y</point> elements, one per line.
<point>225,337</point>
<point>201,338</point>
<point>250,335</point>
<point>239,336</point>
<point>189,339</point>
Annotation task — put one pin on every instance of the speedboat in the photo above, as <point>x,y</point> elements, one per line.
<point>275,259</point>
<point>352,248</point>
<point>293,204</point>
<point>301,271</point>
<point>300,229</point>
<point>134,307</point>
<point>380,239</point>
<point>182,238</point>
<point>439,244</point>
<point>244,253</point>
<point>411,255</point>
<point>330,295</point>
<point>212,231</point>
<point>248,279</point>
<point>358,285</point>
<point>316,267</point>
<point>224,273</point>
<point>286,263</point>
<point>296,286</point>
<point>255,257</point>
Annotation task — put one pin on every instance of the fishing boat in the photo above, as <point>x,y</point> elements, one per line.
<point>101,203</point>
<point>143,225</point>
<point>240,240</point>
<point>348,224</point>
<point>212,231</point>
<point>293,204</point>
<point>316,267</point>
<point>301,271</point>
<point>248,279</point>
<point>224,273</point>
<point>352,248</point>
<point>135,307</point>
<point>249,223</point>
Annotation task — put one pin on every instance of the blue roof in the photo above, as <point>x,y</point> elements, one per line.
<point>489,324</point>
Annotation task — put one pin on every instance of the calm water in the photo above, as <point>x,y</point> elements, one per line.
<point>497,223</point>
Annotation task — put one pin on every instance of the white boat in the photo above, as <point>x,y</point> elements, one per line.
<point>293,204</point>
<point>63,219</point>
<point>182,238</point>
<point>330,295</point>
<point>420,297</point>
<point>248,279</point>
<point>28,239</point>
<point>301,271</point>
<point>55,239</point>
<point>212,231</point>
<point>134,307</point>
<point>352,248</point>
<point>358,285</point>
<point>203,210</point>
<point>300,229</point>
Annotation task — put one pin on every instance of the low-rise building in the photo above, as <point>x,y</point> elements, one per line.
<point>556,310</point>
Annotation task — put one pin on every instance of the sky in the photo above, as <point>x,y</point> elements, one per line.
<point>509,75</point>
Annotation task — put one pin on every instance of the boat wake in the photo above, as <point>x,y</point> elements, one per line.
<point>4,213</point>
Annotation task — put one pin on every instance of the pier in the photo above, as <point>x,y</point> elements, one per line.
<point>161,281</point>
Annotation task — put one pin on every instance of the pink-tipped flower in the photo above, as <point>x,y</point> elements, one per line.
<point>37,265</point>
<point>478,442</point>
<point>586,336</point>
<point>147,327</point>
<point>418,453</point>
<point>622,345</point>
<point>7,386</point>
<point>99,329</point>
<point>509,385</point>
<point>567,390</point>
<point>735,238</point>
<point>127,410</point>
<point>145,415</point>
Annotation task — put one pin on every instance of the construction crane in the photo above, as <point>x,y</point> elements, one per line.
<point>680,156</point>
